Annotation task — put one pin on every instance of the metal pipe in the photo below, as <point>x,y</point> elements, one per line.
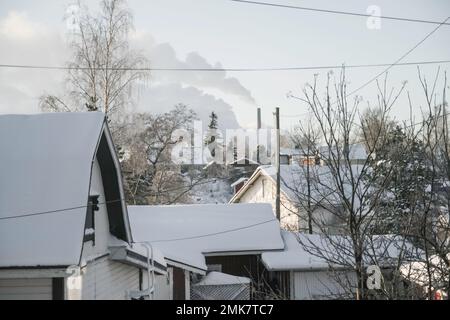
<point>150,288</point>
<point>258,127</point>
<point>277,163</point>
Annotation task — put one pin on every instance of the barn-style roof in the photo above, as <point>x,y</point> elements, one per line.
<point>45,172</point>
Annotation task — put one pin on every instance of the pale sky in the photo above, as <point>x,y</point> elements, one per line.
<point>232,35</point>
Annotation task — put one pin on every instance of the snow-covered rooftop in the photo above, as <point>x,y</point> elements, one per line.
<point>45,166</point>
<point>294,256</point>
<point>242,179</point>
<point>356,151</point>
<point>119,250</point>
<point>322,181</point>
<point>215,278</point>
<point>316,251</point>
<point>185,232</point>
<point>291,151</point>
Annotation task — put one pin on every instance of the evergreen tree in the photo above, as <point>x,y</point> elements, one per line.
<point>400,169</point>
<point>213,122</point>
<point>212,134</point>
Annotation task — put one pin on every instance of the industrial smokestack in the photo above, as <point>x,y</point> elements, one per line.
<point>258,126</point>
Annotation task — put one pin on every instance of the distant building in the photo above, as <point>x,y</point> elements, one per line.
<point>238,184</point>
<point>261,188</point>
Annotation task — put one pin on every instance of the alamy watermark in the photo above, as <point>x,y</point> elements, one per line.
<point>374,21</point>
<point>374,277</point>
<point>72,17</point>
<point>239,146</point>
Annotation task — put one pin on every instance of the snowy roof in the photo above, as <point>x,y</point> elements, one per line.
<point>243,179</point>
<point>244,160</point>
<point>137,253</point>
<point>356,151</point>
<point>417,271</point>
<point>46,164</point>
<point>294,257</point>
<point>316,251</point>
<point>215,278</point>
<point>294,181</point>
<point>291,151</point>
<point>185,232</point>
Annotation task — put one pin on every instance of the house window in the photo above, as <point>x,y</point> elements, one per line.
<point>263,187</point>
<point>89,229</point>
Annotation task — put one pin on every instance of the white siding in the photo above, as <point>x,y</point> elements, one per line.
<point>103,278</point>
<point>321,285</point>
<point>263,190</point>
<point>163,285</point>
<point>26,289</point>
<point>106,279</point>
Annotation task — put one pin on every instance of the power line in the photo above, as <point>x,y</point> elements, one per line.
<point>17,216</point>
<point>297,68</point>
<point>338,12</point>
<point>120,200</point>
<point>57,210</point>
<point>396,63</point>
<point>399,59</point>
<point>161,240</point>
<point>211,234</point>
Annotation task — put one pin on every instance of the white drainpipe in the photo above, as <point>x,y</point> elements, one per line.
<point>151,289</point>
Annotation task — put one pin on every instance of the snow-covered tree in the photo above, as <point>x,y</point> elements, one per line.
<point>103,68</point>
<point>213,141</point>
<point>151,177</point>
<point>401,170</point>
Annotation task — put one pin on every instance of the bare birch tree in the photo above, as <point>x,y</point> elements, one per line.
<point>343,191</point>
<point>104,69</point>
<point>151,177</point>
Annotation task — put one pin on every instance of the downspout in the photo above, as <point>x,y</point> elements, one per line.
<point>151,289</point>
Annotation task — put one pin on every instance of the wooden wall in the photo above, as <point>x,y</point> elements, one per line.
<point>26,289</point>
<point>107,279</point>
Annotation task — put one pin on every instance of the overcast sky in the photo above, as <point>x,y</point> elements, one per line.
<point>222,33</point>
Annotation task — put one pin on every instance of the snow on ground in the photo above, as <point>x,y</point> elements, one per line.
<point>215,192</point>
<point>218,278</point>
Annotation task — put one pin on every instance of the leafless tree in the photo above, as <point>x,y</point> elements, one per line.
<point>342,191</point>
<point>104,69</point>
<point>375,124</point>
<point>151,177</point>
<point>433,272</point>
<point>306,141</point>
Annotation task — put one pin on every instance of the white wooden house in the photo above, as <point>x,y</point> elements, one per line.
<point>64,229</point>
<point>261,188</point>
